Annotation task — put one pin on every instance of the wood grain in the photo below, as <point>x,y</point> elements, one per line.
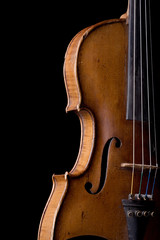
<point>96,84</point>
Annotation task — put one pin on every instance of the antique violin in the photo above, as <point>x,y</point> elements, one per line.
<point>113,190</point>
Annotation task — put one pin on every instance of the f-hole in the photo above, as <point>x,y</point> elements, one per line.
<point>87,238</point>
<point>88,185</point>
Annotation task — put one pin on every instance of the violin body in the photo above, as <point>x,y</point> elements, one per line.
<point>88,199</point>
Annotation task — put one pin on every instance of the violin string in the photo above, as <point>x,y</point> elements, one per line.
<point>134,48</point>
<point>141,77</point>
<point>154,119</point>
<point>148,97</point>
<point>154,181</point>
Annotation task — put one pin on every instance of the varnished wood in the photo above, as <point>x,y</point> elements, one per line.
<point>95,80</point>
<point>48,219</point>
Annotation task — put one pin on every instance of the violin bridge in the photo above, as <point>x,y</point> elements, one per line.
<point>139,166</point>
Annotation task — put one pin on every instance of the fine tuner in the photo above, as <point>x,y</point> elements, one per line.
<point>138,213</point>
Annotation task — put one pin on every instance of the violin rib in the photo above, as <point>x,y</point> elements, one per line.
<point>48,219</point>
<point>86,144</point>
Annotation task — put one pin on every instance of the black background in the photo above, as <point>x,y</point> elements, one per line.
<point>42,138</point>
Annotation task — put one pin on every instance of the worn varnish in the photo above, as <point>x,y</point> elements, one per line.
<point>88,199</point>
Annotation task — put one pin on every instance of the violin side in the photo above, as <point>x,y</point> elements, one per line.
<point>87,121</point>
<point>60,182</point>
<point>88,199</point>
<point>47,223</point>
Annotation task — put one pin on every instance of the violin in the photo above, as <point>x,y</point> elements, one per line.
<point>113,189</point>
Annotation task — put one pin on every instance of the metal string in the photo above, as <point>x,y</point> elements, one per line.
<point>141,76</point>
<point>148,99</point>
<point>149,125</point>
<point>134,48</point>
<point>154,120</point>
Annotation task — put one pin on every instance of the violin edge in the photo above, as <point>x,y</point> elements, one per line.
<point>50,212</point>
<point>87,123</point>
